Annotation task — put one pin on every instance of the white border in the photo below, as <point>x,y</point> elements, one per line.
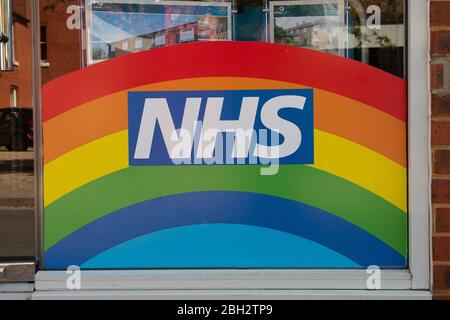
<point>88,9</point>
<point>16,291</point>
<point>226,284</point>
<point>298,284</point>
<point>225,279</point>
<point>419,155</point>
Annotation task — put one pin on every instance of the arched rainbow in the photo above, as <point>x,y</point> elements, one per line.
<point>353,199</point>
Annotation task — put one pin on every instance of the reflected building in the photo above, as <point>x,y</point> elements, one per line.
<point>61,47</point>
<point>60,50</point>
<point>182,33</point>
<point>16,85</point>
<point>320,34</point>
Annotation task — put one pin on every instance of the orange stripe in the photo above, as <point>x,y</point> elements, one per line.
<point>335,114</point>
<point>349,119</point>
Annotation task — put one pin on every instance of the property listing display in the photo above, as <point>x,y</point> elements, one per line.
<point>116,28</point>
<point>370,31</point>
<point>309,24</point>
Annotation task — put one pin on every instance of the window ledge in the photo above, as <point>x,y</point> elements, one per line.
<point>235,294</point>
<point>267,279</point>
<point>16,291</point>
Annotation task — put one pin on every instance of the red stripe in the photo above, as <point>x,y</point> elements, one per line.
<point>346,77</point>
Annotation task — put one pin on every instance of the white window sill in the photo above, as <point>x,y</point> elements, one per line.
<point>234,295</point>
<point>227,284</point>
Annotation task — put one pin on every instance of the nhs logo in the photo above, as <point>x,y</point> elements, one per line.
<point>221,127</point>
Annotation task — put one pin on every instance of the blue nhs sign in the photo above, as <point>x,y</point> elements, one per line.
<point>221,127</point>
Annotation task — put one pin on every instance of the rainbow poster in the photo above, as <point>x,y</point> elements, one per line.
<point>343,206</point>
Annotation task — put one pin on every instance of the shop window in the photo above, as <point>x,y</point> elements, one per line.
<point>17,215</point>
<point>330,33</point>
<point>368,31</point>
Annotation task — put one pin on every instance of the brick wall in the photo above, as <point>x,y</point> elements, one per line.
<point>64,48</point>
<point>63,45</point>
<point>440,140</point>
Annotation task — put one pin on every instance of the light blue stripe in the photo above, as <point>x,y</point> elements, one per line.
<point>223,207</point>
<point>221,246</point>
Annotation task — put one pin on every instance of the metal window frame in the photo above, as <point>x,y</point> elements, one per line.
<point>411,283</point>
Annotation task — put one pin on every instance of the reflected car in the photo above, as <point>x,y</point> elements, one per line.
<point>16,128</point>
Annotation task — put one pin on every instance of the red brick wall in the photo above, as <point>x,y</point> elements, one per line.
<point>22,74</point>
<point>64,45</point>
<point>440,143</point>
<point>64,48</point>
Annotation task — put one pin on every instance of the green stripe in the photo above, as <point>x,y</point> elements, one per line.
<point>296,182</point>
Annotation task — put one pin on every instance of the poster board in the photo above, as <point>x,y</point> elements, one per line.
<point>110,202</point>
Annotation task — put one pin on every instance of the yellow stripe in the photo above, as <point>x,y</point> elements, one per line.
<point>329,107</point>
<point>85,164</point>
<point>361,166</point>
<point>333,154</point>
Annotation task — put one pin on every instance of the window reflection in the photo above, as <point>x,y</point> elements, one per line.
<point>314,25</point>
<point>370,31</point>
<point>376,31</point>
<point>16,145</point>
<point>115,28</point>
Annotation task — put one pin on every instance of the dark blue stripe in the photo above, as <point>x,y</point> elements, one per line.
<point>223,207</point>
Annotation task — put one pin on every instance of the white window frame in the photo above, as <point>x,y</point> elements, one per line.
<point>413,283</point>
<point>419,144</point>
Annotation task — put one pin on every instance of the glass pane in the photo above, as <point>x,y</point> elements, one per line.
<point>368,31</point>
<point>117,28</point>
<point>123,79</point>
<point>17,241</point>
